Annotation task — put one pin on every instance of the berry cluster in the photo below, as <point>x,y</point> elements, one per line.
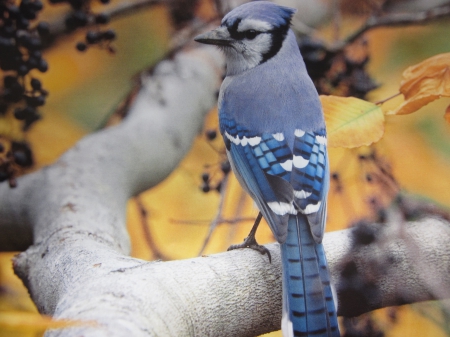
<point>20,92</point>
<point>209,180</point>
<point>340,73</point>
<point>82,16</point>
<point>20,53</point>
<point>14,156</point>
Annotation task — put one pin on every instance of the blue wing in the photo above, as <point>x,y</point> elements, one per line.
<point>310,178</point>
<point>281,180</point>
<point>258,161</point>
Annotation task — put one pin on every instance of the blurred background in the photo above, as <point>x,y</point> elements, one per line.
<point>200,209</point>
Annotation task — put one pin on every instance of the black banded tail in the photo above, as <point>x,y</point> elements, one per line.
<point>308,306</point>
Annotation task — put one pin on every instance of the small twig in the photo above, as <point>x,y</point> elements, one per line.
<point>157,254</point>
<point>218,217</point>
<point>395,19</point>
<point>387,99</point>
<point>337,20</point>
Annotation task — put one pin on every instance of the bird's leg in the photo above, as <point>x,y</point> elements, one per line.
<point>250,240</point>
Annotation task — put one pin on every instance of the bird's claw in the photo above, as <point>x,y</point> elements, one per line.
<point>250,242</point>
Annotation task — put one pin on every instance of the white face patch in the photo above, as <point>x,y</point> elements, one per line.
<point>246,54</point>
<point>282,208</point>
<point>258,25</point>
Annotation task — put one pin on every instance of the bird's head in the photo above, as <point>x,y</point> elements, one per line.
<point>250,34</point>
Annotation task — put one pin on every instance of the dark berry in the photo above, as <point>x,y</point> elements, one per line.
<point>76,4</point>
<point>36,54</point>
<point>27,10</point>
<point>92,37</point>
<point>36,5</point>
<point>9,81</point>
<point>109,35</point>
<point>8,31</point>
<point>19,114</point>
<point>102,18</point>
<point>36,84</point>
<point>6,44</point>
<point>35,101</point>
<point>13,93</point>
<point>42,66</point>
<point>22,23</point>
<point>43,28</point>
<point>23,70</point>
<point>104,1</point>
<point>205,177</point>
<point>76,19</point>
<point>2,147</point>
<point>22,114</point>
<point>13,11</point>
<point>225,167</point>
<point>22,154</point>
<point>206,188</point>
<point>32,63</point>
<point>211,134</point>
<point>34,43</point>
<point>81,46</point>
<point>30,120</point>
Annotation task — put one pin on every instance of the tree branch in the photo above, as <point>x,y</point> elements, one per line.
<point>57,27</point>
<point>237,293</point>
<point>396,19</point>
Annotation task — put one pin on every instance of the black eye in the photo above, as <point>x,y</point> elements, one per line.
<point>250,34</point>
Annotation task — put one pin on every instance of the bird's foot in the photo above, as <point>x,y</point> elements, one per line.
<point>250,242</point>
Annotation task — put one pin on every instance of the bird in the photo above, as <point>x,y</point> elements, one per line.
<point>272,123</point>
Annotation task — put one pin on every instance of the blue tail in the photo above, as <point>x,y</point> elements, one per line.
<point>308,306</point>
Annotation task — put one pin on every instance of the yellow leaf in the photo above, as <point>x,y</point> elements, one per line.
<point>423,83</point>
<point>352,122</point>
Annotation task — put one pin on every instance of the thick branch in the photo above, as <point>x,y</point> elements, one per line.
<point>236,293</point>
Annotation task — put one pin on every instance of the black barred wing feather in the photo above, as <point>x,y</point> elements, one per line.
<point>280,180</point>
<point>259,164</point>
<point>310,178</point>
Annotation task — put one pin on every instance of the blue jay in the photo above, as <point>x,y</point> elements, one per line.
<point>272,123</point>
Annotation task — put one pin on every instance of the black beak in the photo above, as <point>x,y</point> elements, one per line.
<point>219,36</point>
